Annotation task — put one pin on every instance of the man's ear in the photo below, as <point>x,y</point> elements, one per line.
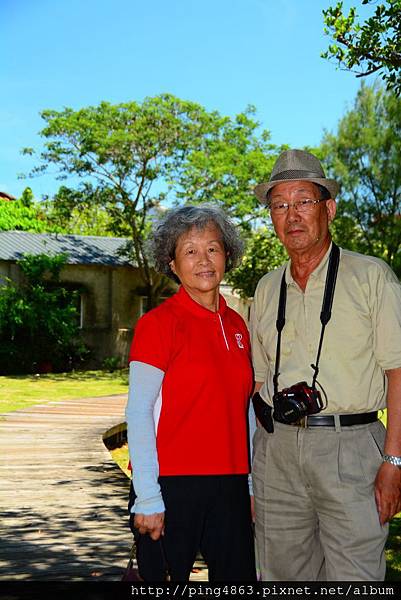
<point>331,207</point>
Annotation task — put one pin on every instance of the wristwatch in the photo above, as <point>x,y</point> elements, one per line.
<point>394,460</point>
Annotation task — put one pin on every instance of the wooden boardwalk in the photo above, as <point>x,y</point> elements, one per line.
<point>63,501</point>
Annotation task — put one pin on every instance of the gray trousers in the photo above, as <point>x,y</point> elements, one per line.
<point>316,516</point>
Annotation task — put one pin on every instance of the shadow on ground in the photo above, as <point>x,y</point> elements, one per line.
<point>69,542</point>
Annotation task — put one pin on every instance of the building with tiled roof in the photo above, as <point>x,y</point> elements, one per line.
<point>80,249</point>
<point>112,296</point>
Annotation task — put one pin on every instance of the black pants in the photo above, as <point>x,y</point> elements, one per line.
<point>210,513</point>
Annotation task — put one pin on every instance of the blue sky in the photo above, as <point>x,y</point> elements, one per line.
<point>224,54</point>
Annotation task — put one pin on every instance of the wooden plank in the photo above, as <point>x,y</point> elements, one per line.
<point>62,499</point>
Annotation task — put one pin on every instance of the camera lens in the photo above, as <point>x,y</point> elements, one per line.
<point>292,409</point>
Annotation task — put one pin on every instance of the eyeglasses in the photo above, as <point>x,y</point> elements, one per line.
<point>306,205</point>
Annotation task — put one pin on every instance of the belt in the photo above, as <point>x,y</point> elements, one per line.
<point>328,420</point>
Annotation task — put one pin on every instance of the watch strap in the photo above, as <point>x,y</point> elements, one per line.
<point>393,460</point>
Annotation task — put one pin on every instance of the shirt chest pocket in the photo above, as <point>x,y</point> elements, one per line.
<point>268,334</point>
<point>289,335</point>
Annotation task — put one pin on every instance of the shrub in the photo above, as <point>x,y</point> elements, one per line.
<point>38,320</point>
<point>111,363</point>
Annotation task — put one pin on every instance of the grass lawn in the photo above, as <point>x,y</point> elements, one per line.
<point>21,391</point>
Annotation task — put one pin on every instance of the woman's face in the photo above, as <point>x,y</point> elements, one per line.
<point>200,260</point>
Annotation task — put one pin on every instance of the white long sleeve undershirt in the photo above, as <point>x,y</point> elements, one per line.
<point>144,386</point>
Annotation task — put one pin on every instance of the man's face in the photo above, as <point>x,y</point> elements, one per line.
<point>301,231</point>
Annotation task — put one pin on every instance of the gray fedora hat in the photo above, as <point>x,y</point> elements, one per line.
<point>296,165</point>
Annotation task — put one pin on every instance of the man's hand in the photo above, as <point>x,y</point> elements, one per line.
<point>388,478</point>
<point>388,492</point>
<point>151,524</point>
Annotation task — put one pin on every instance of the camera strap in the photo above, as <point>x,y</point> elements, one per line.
<point>325,314</point>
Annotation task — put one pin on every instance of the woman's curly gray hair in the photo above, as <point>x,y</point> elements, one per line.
<point>177,221</point>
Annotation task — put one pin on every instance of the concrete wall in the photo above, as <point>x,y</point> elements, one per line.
<point>241,305</point>
<point>110,305</point>
<point>10,270</point>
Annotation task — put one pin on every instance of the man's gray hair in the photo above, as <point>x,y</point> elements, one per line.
<point>178,221</point>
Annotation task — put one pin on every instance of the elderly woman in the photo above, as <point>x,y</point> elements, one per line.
<point>190,384</point>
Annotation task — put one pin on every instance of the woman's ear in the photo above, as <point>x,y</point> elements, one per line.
<point>172,266</point>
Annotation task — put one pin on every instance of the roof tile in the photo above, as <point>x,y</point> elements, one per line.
<point>80,249</point>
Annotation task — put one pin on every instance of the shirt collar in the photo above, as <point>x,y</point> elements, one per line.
<point>318,273</point>
<point>185,300</point>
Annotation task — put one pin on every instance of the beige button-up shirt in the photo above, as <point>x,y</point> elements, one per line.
<point>362,339</point>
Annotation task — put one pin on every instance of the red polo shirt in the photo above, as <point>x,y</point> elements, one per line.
<point>205,356</point>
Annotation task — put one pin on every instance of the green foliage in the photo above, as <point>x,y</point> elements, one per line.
<point>264,252</point>
<point>61,214</point>
<point>131,157</point>
<point>365,156</point>
<point>27,198</point>
<point>119,152</point>
<point>23,215</point>
<point>231,159</point>
<point>371,47</point>
<point>111,363</point>
<point>78,212</point>
<point>38,320</point>
<point>38,267</point>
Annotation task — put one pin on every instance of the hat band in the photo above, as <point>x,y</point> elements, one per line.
<point>292,174</point>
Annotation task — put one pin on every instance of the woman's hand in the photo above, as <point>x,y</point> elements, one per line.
<point>151,524</point>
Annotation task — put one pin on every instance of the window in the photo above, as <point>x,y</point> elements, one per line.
<point>143,303</point>
<point>79,306</point>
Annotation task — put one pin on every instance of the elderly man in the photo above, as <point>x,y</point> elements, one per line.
<point>326,333</point>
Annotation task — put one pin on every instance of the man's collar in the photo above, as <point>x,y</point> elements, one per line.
<point>318,273</point>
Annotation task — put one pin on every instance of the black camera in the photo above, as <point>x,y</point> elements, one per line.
<point>296,402</point>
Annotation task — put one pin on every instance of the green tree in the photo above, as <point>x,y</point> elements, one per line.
<point>132,157</point>
<point>77,213</point>
<point>55,215</point>
<point>231,159</point>
<point>24,214</point>
<point>27,198</point>
<point>123,154</point>
<point>264,252</point>
<point>365,156</point>
<point>38,319</point>
<point>371,47</point>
